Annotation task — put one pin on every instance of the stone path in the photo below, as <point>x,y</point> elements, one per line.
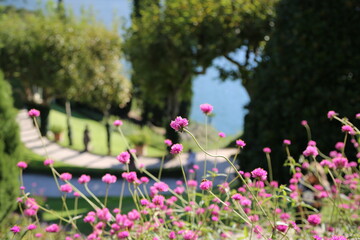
<point>45,185</point>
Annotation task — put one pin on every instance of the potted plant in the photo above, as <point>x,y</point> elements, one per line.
<point>139,140</point>
<point>56,130</point>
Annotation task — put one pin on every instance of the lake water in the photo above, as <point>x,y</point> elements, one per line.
<point>228,98</point>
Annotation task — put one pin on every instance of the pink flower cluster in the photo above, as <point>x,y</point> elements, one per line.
<point>179,123</point>
<point>124,157</point>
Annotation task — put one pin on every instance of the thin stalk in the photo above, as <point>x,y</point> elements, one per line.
<point>241,177</point>
<point>161,167</point>
<point>121,194</point>
<point>93,196</point>
<point>106,194</point>
<point>206,143</point>
<point>269,166</point>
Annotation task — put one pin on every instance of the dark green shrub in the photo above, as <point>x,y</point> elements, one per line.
<point>9,151</point>
<point>310,66</point>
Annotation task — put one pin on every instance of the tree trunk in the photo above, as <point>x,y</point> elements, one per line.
<point>68,118</point>
<point>108,129</point>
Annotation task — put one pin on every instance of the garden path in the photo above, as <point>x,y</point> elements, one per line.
<point>46,186</point>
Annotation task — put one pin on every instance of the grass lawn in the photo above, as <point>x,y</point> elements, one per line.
<point>97,129</point>
<point>155,148</point>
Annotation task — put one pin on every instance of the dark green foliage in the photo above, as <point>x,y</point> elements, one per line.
<point>9,151</point>
<point>310,66</point>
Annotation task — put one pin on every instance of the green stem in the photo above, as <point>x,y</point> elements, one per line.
<point>161,167</point>
<point>106,194</point>
<point>241,177</point>
<point>269,165</point>
<point>121,195</point>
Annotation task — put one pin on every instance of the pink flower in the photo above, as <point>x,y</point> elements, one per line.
<point>77,194</point>
<point>144,202</point>
<point>340,162</point>
<point>287,142</point>
<point>158,200</point>
<point>108,178</point>
<point>38,235</point>
<point>310,151</point>
<point>357,116</point>
<point>144,179</point>
<point>331,114</point>
<point>15,229</point>
<point>131,177</point>
<point>259,173</point>
<point>339,146</point>
<point>179,123</point>
<point>103,214</point>
<point>266,150</point>
<point>314,219</point>
<point>22,165</point>
<point>52,228</point>
<point>221,135</point>
<point>48,162</point>
<point>123,235</point>
<point>240,143</point>
<point>161,186</point>
<point>124,158</point>
<point>65,176</point>
<point>304,122</point>
<point>206,108</point>
<point>168,142</point>
<point>176,148</point>
<point>192,183</point>
<point>338,238</point>
<point>66,188</point>
<point>84,179</point>
<point>305,165</point>
<point>348,129</point>
<point>281,227</point>
<point>31,227</point>
<point>117,123</point>
<point>206,185</point>
<point>34,113</point>
<point>172,235</point>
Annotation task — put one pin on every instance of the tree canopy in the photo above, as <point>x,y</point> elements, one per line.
<point>172,41</point>
<point>64,57</point>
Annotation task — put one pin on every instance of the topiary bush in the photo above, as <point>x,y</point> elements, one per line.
<point>9,151</point>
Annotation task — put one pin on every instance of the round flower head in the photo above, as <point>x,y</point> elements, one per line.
<point>331,114</point>
<point>34,113</point>
<point>205,185</point>
<point>31,227</point>
<point>48,162</point>
<point>314,219</point>
<point>168,142</point>
<point>287,142</point>
<point>267,150</point>
<point>117,123</point>
<point>66,188</point>
<point>179,123</point>
<point>65,176</point>
<point>176,148</point>
<point>259,173</point>
<point>84,179</point>
<point>124,157</point>
<point>221,135</point>
<point>108,178</point>
<point>53,228</point>
<point>348,129</point>
<point>206,108</point>
<point>310,151</point>
<point>22,165</point>
<point>304,122</point>
<point>240,143</point>
<point>15,229</point>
